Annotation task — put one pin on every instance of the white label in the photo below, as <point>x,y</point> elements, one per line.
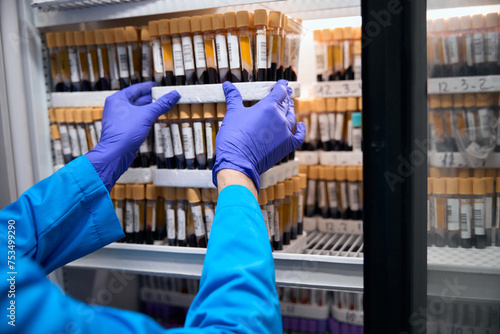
<point>479,216</point>
<point>91,67</point>
<point>313,127</point>
<point>491,41</point>
<point>187,140</point>
<point>220,45</point>
<point>478,41</point>
<point>301,208</point>
<point>113,66</point>
<point>307,125</point>
<point>167,142</point>
<point>261,53</point>
<point>353,196</point>
<point>170,217</point>
<point>277,232</point>
<point>322,194</point>
<point>311,192</point>
<point>469,53</point>
<point>177,54</point>
<point>144,148</point>
<point>130,60</point>
<point>75,146</point>
<point>319,49</point>
<point>93,135</point>
<point>270,217</point>
<point>220,123</point>
<point>58,155</point>
<point>159,144</point>
<point>324,129</point>
<point>187,52</point>
<point>286,52</point>
<point>471,125</point>
<point>347,50</point>
<point>357,67</point>
<point>331,125</point>
<point>199,225</point>
<point>119,215</point>
<point>66,146</point>
<point>465,219</point>
<point>339,124</point>
<point>98,129</point>
<point>349,133</point>
<point>209,219</point>
<point>99,63</point>
<point>137,218</point>
<point>356,139</point>
<point>157,56</point>
<point>452,214</point>
<point>452,49</point>
<point>233,51</point>
<point>83,140</point>
<point>153,218</point>
<point>122,61</point>
<point>333,200</point>
<point>208,136</point>
<point>146,61</point>
<point>181,224</point>
<point>266,221</point>
<point>488,212</point>
<point>199,51</point>
<point>442,40</point>
<point>199,145</point>
<point>73,66</point>
<point>176,139</point>
<point>343,196</point>
<point>129,217</point>
<point>485,116</point>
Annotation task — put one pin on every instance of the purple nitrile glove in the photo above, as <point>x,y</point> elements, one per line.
<point>126,121</point>
<point>252,140</point>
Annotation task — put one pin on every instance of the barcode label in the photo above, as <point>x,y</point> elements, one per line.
<point>181,224</point>
<point>270,217</point>
<point>349,133</point>
<point>266,221</point>
<point>159,141</point>
<point>261,49</point>
<point>471,125</point>
<point>146,61</point>
<point>129,217</point>
<point>322,194</point>
<point>73,65</point>
<point>301,208</point>
<point>199,145</point>
<point>176,139</point>
<point>83,140</point>
<point>444,47</point>
<point>137,218</point>
<point>199,225</point>
<point>170,217</point>
<point>486,117</point>
<point>277,232</point>
<point>344,200</point>
<point>356,139</point>
<point>113,65</point>
<point>167,142</point>
<point>465,219</point>
<point>187,51</point>
<point>286,52</point>
<point>58,155</point>
<point>98,129</point>
<point>357,67</point>
<point>178,60</point>
<point>199,51</point>
<point>93,135</point>
<point>353,196</point>
<point>332,195</point>
<point>339,126</point>
<point>320,58</point>
<point>347,53</point>
<point>478,42</point>
<point>99,63</point>
<point>131,66</point>
<point>469,53</point>
<point>324,128</point>
<point>488,212</point>
<point>187,140</point>
<point>453,49</point>
<point>233,51</point>
<point>122,61</point>
<point>209,219</point>
<point>452,214</point>
<point>75,146</point>
<point>331,125</point>
<point>119,215</point>
<point>491,42</point>
<point>91,67</point>
<point>311,192</point>
<point>313,127</point>
<point>157,57</point>
<point>66,146</point>
<point>221,49</point>
<point>208,136</point>
<point>479,216</point>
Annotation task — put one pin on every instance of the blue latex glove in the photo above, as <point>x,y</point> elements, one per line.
<point>126,121</point>
<point>252,140</point>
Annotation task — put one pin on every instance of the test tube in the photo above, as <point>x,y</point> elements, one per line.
<point>348,49</point>
<point>341,178</point>
<point>74,71</point>
<point>102,61</point>
<point>210,133</point>
<point>146,56</point>
<point>328,44</point>
<point>196,225</point>
<point>479,190</point>
<point>458,128</point>
<point>438,123</point>
<point>357,66</point>
<point>491,43</point>
<point>471,117</point>
<point>466,41</point>
<point>73,135</point>
<point>338,55</point>
<point>199,135</point>
<point>320,52</point>
<point>279,216</point>
<point>81,48</point>
<point>169,194</point>
<point>92,61</point>
<point>452,213</point>
<point>270,212</point>
<point>114,76</point>
<point>354,195</point>
<point>332,192</point>
<point>55,64</point>
<point>245,46</point>
<point>161,224</point>
<point>439,28</point>
<point>303,115</point>
<point>489,183</point>
<point>465,190</point>
<point>233,46</point>
<point>97,117</point>
<point>181,216</point>
<point>89,128</point>
<point>340,124</point>
<point>187,50</point>
<point>199,51</point>
<point>439,191</point>
<point>63,61</point>
<point>357,133</point>
<point>123,57</point>
<point>129,214</point>
<point>166,47</point>
<point>260,21</point>
<point>134,54</point>
<point>63,131</point>
<point>433,69</point>
<point>166,124</point>
<point>295,49</point>
<point>80,129</point>
<point>496,224</point>
<point>324,125</point>
<point>287,48</point>
<point>447,111</point>
<point>274,40</point>
<point>487,120</point>
<point>221,47</point>
<point>221,112</point>
<point>454,61</point>
<point>139,212</point>
<point>288,212</point>
<point>280,74</point>
<point>322,197</point>
<point>211,60</point>
<point>150,222</point>
<point>479,45</point>
<point>208,208</point>
<point>262,199</point>
<point>118,197</point>
<point>58,157</point>
<point>159,141</point>
<point>296,197</point>
<point>173,116</point>
<point>352,106</point>
<point>156,52</point>
<point>313,128</point>
<point>187,135</point>
<point>312,177</point>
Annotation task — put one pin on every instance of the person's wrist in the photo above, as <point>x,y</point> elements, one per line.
<point>229,177</point>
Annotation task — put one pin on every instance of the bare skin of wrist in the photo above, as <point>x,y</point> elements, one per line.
<point>229,177</point>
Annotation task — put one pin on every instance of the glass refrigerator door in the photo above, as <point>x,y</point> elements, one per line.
<point>463,184</point>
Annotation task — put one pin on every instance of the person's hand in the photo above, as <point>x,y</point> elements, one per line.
<point>126,121</point>
<point>252,140</point>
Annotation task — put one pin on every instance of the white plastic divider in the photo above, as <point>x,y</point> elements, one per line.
<point>307,157</point>
<point>310,223</point>
<point>348,316</point>
<point>337,88</point>
<point>345,226</point>
<point>460,85</point>
<point>250,91</point>
<point>80,99</point>
<point>137,175</point>
<point>305,311</point>
<point>165,297</point>
<point>457,159</point>
<point>203,178</point>
<point>339,158</point>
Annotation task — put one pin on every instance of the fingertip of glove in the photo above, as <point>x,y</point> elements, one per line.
<point>283,82</point>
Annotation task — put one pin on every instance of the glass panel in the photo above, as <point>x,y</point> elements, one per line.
<point>464,169</point>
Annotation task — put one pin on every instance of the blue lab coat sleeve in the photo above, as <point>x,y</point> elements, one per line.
<point>70,214</point>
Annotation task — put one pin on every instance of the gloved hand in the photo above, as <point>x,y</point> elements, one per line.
<point>252,140</point>
<point>126,121</point>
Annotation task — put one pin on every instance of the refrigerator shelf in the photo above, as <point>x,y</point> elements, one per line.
<point>307,157</point>
<point>339,158</point>
<point>137,175</point>
<point>159,296</point>
<point>462,85</point>
<point>457,160</point>
<point>345,88</point>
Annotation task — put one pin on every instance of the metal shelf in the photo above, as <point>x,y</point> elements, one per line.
<point>457,160</point>
<point>462,85</point>
<point>337,88</point>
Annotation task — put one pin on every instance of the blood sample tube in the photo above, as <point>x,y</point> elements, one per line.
<point>114,74</point>
<point>55,67</point>
<point>320,51</point>
<point>340,124</point>
<point>211,60</point>
<point>487,120</point>
<point>260,21</point>
<point>348,49</point>
<point>146,55</point>
<point>156,51</point>
<point>332,193</point>
<point>341,178</point>
<point>169,194</point>
<point>196,225</point>
<point>161,224</point>
<point>210,132</point>
<point>322,192</point>
<point>208,208</point>
<point>296,198</point>
<point>247,61</point>
<point>199,51</point>
<point>311,203</point>
<point>270,208</point>
<point>74,71</point>
<point>489,207</point>
<point>479,45</point>
<point>199,135</point>
<point>479,191</point>
<point>338,55</point>
<point>150,222</point>
<point>134,54</point>
<point>139,212</point>
<point>279,216</point>
<point>80,129</point>
<point>442,47</point>
<point>221,112</point>
<point>221,47</point>
<point>287,49</point>
<point>492,44</point>
<point>92,59</point>
<point>73,135</point>
<point>287,212</point>
<point>324,125</point>
<point>187,135</point>
<point>57,153</point>
<point>187,50</point>
<point>82,60</point>
<point>129,214</point>
<point>262,199</point>
<point>303,115</point>
<point>233,46</point>
<point>357,66</point>
<point>439,190</point>
<point>123,57</point>
<point>354,195</point>
<point>313,127</point>
<point>452,40</point>
<point>89,128</point>
<point>352,106</point>
<point>452,213</point>
<point>282,31</point>
<point>63,61</point>
<point>433,68</point>
<point>274,40</point>
<point>97,117</point>
<point>181,216</point>
<point>159,141</point>
<point>63,131</point>
<point>446,113</point>
<point>102,61</point>
<point>466,43</point>
<point>173,116</point>
<point>465,190</point>
<point>166,47</point>
<point>118,197</point>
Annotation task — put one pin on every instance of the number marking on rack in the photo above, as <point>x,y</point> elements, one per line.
<point>338,88</point>
<point>475,84</point>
